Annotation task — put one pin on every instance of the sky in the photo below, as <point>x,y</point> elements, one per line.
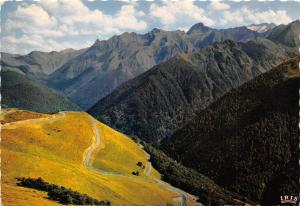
<point>54,25</point>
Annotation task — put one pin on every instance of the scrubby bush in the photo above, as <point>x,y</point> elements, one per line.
<point>140,164</point>
<point>59,193</point>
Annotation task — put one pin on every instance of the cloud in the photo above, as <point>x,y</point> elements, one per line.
<point>217,5</point>
<point>247,16</point>
<point>76,13</point>
<point>57,24</point>
<point>124,18</point>
<point>178,13</point>
<point>46,22</point>
<point>30,19</point>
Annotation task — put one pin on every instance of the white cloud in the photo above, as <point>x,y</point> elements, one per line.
<point>30,19</point>
<point>124,18</point>
<point>76,16</point>
<point>217,5</point>
<point>232,16</point>
<point>247,16</point>
<point>47,21</point>
<point>179,13</point>
<point>56,24</point>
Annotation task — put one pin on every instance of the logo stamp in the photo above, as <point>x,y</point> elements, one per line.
<point>289,199</point>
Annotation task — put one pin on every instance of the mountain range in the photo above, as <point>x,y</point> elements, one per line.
<point>87,75</point>
<point>247,140</point>
<point>156,103</point>
<point>38,64</point>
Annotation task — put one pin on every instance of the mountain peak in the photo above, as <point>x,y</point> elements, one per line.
<point>286,34</point>
<point>156,30</point>
<point>96,44</point>
<point>198,27</point>
<point>97,41</point>
<point>296,22</point>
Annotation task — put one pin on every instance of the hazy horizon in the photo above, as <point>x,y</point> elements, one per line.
<point>59,25</point>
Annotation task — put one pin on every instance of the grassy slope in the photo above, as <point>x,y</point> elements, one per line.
<point>22,92</point>
<point>111,157</point>
<point>53,149</point>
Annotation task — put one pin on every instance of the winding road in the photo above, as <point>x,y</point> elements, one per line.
<point>87,163</point>
<point>96,143</point>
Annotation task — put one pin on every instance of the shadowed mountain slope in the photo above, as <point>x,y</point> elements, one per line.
<point>247,141</point>
<point>190,180</point>
<point>286,34</point>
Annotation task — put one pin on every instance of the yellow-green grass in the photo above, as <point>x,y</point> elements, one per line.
<point>119,154</point>
<point>292,67</point>
<point>292,73</point>
<point>53,147</point>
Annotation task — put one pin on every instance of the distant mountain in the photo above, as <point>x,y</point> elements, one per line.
<point>155,104</point>
<point>247,141</point>
<point>19,91</point>
<point>107,64</point>
<point>286,34</point>
<point>38,64</point>
<point>261,28</point>
<point>238,34</point>
<point>198,32</point>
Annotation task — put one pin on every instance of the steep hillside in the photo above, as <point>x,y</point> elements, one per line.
<point>247,141</point>
<point>190,180</point>
<point>89,158</point>
<point>22,92</point>
<point>286,34</point>
<point>38,64</point>
<point>158,102</point>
